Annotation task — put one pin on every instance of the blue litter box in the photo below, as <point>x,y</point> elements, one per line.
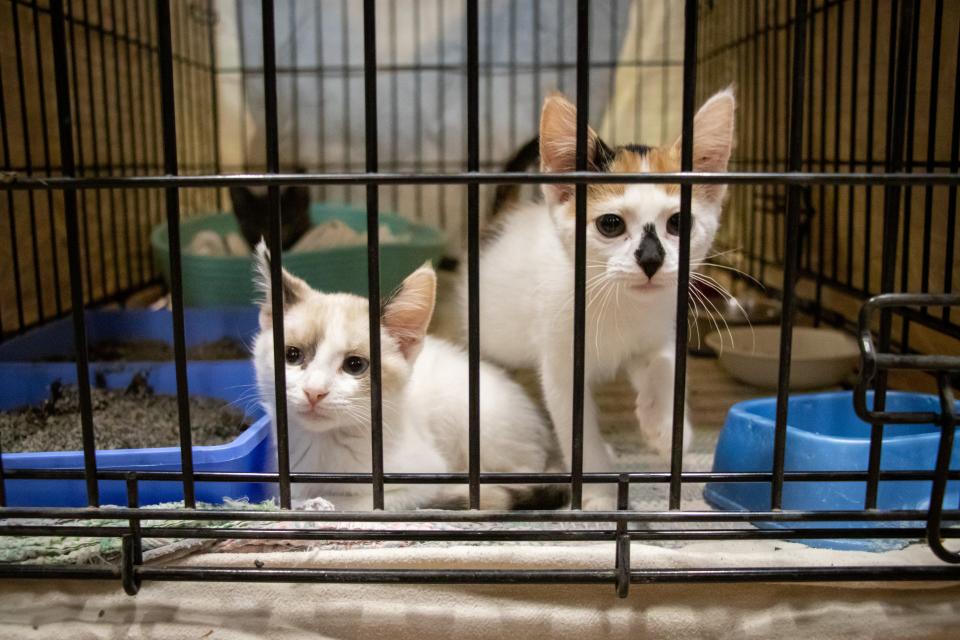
<point>825,434</point>
<point>201,325</point>
<point>29,383</point>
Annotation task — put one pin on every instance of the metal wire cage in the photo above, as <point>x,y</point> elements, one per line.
<point>812,165</point>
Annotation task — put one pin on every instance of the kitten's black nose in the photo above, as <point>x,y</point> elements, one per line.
<point>650,253</point>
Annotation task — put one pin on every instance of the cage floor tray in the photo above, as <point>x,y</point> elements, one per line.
<point>29,384</point>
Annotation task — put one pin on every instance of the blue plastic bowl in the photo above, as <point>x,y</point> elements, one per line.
<point>28,383</point>
<point>825,434</point>
<point>201,325</point>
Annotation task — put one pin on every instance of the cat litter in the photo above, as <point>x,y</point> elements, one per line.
<point>129,418</point>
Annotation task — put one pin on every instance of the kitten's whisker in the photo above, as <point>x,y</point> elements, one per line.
<point>730,297</point>
<point>700,297</point>
<point>696,319</point>
<point>729,268</point>
<point>707,300</point>
<point>721,253</point>
<point>596,332</point>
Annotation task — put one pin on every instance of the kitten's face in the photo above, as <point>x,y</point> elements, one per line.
<point>633,230</point>
<point>327,351</point>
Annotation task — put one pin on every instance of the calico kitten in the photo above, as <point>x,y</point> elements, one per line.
<point>250,206</point>
<point>526,273</point>
<point>425,391</point>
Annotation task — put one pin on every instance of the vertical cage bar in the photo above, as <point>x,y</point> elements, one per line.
<point>294,100</point>
<point>441,108</point>
<point>393,163</point>
<point>891,223</point>
<point>127,211</point>
<point>133,502</point>
<point>14,249</point>
<point>321,96</point>
<point>767,127</point>
<point>871,118</point>
<point>911,125</point>
<point>147,115</point>
<point>855,107</point>
<point>756,192</point>
<point>99,211</point>
<point>214,99</point>
<point>276,248</point>
<point>931,145</point>
<point>794,195</point>
<point>822,160</point>
<point>473,247</point>
<point>837,96</point>
<point>373,244</point>
<point>242,59</point>
<point>347,112</point>
<point>42,90</point>
<point>135,151</point>
<point>418,112</point>
<point>28,162</point>
<point>165,50</point>
<point>952,197</point>
<point>107,135</point>
<point>68,168</point>
<point>683,275</point>
<point>3,482</point>
<point>580,255</point>
<point>80,163</point>
<point>131,543</point>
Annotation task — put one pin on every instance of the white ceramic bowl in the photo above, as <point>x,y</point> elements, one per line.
<point>820,358</point>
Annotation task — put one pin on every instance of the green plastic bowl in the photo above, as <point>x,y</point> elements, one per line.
<point>216,281</point>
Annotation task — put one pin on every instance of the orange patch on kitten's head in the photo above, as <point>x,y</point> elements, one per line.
<point>712,145</point>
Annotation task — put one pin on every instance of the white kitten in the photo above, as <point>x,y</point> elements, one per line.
<point>424,391</point>
<point>526,275</point>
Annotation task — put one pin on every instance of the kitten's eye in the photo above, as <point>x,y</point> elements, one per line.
<point>355,365</point>
<point>294,356</point>
<point>673,224</point>
<point>611,225</point>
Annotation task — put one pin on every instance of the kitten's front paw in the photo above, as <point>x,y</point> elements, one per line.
<point>599,498</point>
<point>659,436</point>
<point>316,504</point>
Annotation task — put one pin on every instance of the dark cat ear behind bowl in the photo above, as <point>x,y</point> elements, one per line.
<point>295,206</point>
<point>250,211</point>
<point>253,217</point>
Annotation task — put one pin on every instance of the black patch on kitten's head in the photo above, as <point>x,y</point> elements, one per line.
<point>603,156</point>
<point>253,214</point>
<point>639,149</point>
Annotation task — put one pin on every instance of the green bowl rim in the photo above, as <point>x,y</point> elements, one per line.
<point>438,243</point>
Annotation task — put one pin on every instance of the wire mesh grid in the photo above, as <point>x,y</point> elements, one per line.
<point>787,213</point>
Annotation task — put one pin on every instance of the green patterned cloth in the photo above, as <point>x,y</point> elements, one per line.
<point>84,550</point>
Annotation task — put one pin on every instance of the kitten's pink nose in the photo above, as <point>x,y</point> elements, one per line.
<point>313,396</point>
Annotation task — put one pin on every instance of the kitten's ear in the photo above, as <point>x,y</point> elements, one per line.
<point>242,199</point>
<point>407,314</point>
<point>294,289</point>
<point>712,137</point>
<point>558,144</point>
<point>248,209</point>
<point>295,201</point>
